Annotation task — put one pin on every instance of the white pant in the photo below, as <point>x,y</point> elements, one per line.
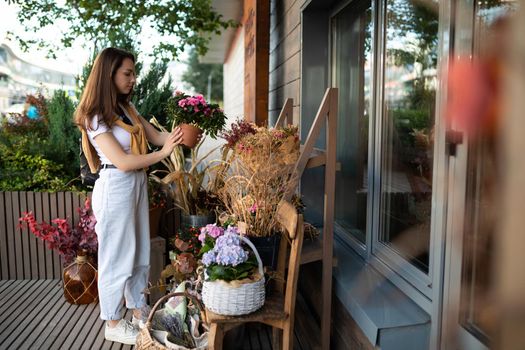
<point>120,205</point>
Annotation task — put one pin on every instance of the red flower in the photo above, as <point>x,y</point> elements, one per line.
<point>61,237</point>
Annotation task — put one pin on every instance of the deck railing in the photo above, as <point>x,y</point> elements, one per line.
<point>22,255</point>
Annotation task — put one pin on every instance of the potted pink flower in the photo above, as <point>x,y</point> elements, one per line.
<point>194,115</point>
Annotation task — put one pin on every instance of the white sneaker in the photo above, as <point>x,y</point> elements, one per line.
<point>144,313</point>
<point>124,332</point>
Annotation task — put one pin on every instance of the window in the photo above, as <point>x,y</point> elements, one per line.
<point>351,69</point>
<point>385,66</point>
<point>409,95</point>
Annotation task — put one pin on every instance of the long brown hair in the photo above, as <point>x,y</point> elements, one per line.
<point>100,96</point>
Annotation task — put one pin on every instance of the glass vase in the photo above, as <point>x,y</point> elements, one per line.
<point>80,281</point>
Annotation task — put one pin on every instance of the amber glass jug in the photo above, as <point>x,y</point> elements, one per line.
<point>80,281</point>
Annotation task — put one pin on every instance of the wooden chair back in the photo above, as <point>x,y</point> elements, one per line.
<point>293,226</point>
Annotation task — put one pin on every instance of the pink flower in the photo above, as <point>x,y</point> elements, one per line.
<point>253,208</point>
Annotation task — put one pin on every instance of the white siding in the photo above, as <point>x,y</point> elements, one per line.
<point>234,80</point>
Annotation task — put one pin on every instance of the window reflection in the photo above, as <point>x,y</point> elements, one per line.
<point>407,131</point>
<point>352,41</point>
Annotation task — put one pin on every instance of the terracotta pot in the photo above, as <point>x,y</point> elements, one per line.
<point>190,135</point>
<point>80,281</point>
<point>154,221</point>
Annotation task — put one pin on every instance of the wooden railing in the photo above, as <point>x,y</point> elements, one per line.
<point>22,255</point>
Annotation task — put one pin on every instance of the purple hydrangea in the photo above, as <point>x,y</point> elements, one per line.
<point>231,255</point>
<point>227,249</point>
<point>208,258</point>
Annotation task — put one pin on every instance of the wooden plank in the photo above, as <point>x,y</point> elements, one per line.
<point>21,308</point>
<point>17,234</point>
<point>264,339</point>
<point>99,340</point>
<point>38,212</point>
<point>11,245</point>
<point>46,214</point>
<point>78,330</point>
<point>48,325</point>
<point>41,320</point>
<point>20,328</point>
<point>4,256</point>
<point>94,326</point>
<point>306,327</point>
<point>252,337</point>
<point>16,298</point>
<point>329,210</point>
<point>62,326</point>
<point>10,285</point>
<point>78,311</point>
<point>33,241</point>
<point>53,209</point>
<point>24,235</point>
<point>4,284</point>
<point>286,113</point>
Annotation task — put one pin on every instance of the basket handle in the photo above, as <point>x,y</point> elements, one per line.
<point>259,261</point>
<point>177,294</point>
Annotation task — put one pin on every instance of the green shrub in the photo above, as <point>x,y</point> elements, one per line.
<point>150,97</point>
<point>63,144</point>
<point>20,171</point>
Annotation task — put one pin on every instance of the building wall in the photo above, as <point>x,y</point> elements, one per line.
<point>285,57</point>
<point>19,78</point>
<point>233,79</point>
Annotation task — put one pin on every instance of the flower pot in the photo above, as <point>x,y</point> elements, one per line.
<point>80,281</point>
<point>154,221</point>
<point>188,221</point>
<point>190,135</point>
<point>268,248</point>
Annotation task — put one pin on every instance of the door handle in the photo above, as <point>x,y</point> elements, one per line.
<point>453,138</point>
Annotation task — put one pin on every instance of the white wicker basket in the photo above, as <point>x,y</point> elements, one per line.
<point>226,299</point>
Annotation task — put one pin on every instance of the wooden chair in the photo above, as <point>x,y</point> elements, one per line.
<point>279,308</point>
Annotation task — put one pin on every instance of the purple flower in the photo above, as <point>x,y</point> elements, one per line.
<point>208,258</point>
<point>227,250</point>
<point>231,255</point>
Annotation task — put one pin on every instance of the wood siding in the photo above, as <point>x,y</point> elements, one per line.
<point>285,57</point>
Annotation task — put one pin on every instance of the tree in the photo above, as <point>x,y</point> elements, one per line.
<point>182,22</point>
<point>197,75</point>
<point>150,96</point>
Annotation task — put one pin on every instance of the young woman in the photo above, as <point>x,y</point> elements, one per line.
<point>114,140</point>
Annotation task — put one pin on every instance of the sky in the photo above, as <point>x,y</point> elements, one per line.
<point>71,60</point>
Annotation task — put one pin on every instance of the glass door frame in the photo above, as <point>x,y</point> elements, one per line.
<point>453,334</point>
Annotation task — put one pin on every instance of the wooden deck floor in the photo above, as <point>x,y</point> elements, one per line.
<point>35,315</point>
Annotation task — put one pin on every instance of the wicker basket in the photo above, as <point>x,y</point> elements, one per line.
<point>225,298</point>
<point>146,340</point>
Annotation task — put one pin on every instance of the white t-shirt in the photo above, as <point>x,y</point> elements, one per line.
<point>123,137</point>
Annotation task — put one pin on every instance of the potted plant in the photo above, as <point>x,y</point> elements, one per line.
<point>157,203</point>
<point>257,171</point>
<point>233,272</point>
<point>194,115</point>
<point>183,257</point>
<point>187,182</point>
<point>78,247</point>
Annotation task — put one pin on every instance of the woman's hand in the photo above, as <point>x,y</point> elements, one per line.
<point>174,138</point>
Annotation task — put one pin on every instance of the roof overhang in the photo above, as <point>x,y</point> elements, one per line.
<point>219,44</point>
